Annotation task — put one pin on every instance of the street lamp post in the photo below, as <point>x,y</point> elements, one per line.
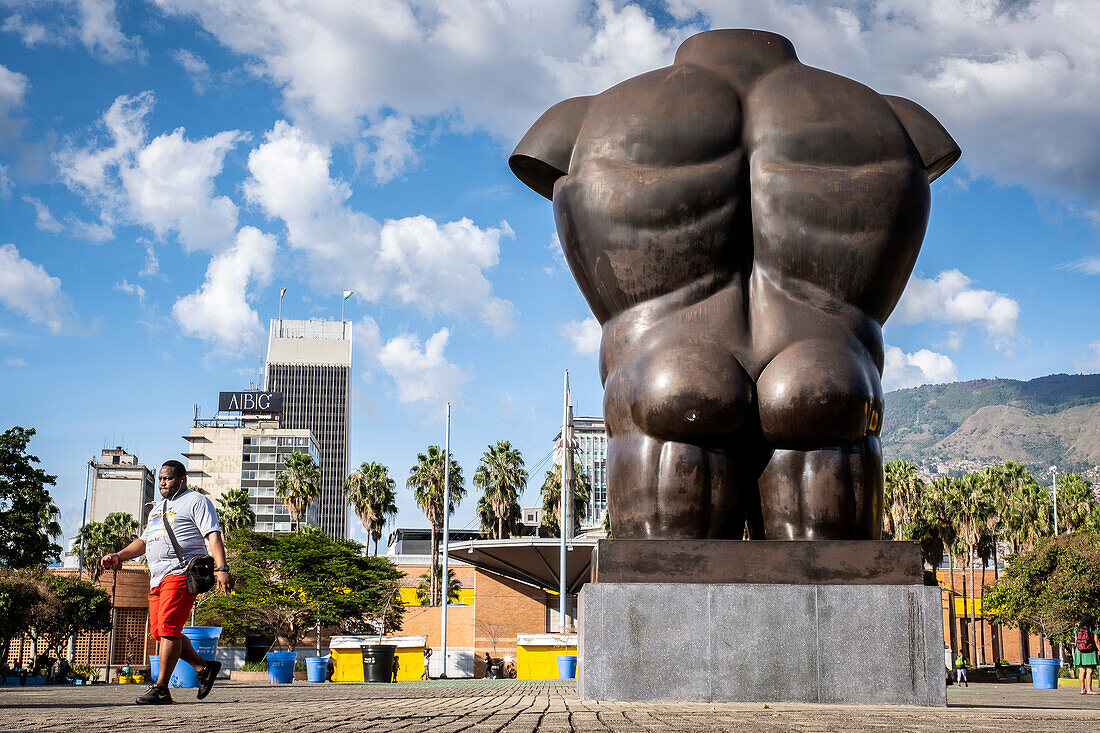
<point>1054,483</point>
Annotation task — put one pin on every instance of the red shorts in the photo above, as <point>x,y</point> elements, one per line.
<point>169,606</point>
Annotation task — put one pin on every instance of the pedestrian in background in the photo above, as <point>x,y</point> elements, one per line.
<point>1085,652</point>
<point>960,671</point>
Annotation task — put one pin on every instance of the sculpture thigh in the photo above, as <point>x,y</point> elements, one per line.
<point>821,411</point>
<point>684,447</point>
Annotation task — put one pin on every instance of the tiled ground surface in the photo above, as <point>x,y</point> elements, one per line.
<point>514,705</point>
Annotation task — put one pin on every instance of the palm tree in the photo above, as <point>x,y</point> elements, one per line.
<point>426,481</point>
<point>117,530</point>
<point>298,484</point>
<point>1077,507</point>
<point>424,587</point>
<point>487,518</point>
<point>501,476</point>
<point>940,498</point>
<point>370,492</point>
<point>551,499</point>
<point>235,511</point>
<point>901,492</point>
<point>971,505</point>
<point>1025,515</point>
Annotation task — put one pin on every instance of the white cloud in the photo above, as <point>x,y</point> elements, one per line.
<point>437,268</point>
<point>13,86</point>
<point>1084,265</point>
<point>132,289</point>
<point>1014,82</point>
<point>27,288</point>
<point>43,219</point>
<point>949,299</point>
<point>421,372</point>
<point>343,67</point>
<point>584,335</point>
<point>904,370</point>
<point>166,184</point>
<point>391,147</point>
<point>15,362</point>
<point>198,71</point>
<point>1090,362</point>
<point>92,23</point>
<point>219,310</point>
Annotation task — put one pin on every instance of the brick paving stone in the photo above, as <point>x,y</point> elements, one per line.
<point>518,706</point>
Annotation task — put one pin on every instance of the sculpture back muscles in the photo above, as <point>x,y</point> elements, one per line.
<point>741,225</point>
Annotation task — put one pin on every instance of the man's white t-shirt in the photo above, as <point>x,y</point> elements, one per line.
<point>193,517</point>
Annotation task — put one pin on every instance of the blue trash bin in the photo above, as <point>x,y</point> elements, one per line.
<point>280,667</point>
<point>316,669</point>
<point>205,641</point>
<point>1044,673</point>
<point>567,666</point>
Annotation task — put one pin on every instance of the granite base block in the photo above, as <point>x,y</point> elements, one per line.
<point>840,644</point>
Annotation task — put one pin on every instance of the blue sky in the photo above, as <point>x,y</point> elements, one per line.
<point>166,167</point>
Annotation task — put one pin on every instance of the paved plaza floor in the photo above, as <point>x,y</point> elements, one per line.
<point>516,705</point>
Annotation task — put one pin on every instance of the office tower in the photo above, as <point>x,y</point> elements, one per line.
<point>121,484</point>
<point>590,453</point>
<point>248,452</point>
<point>309,362</point>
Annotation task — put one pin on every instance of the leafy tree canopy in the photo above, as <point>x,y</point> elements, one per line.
<point>49,608</point>
<point>1043,590</point>
<point>117,530</point>
<point>287,582</point>
<point>28,516</point>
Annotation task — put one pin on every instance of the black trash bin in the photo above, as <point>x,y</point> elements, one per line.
<point>255,647</point>
<point>378,662</point>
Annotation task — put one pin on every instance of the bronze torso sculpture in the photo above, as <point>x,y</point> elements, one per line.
<point>741,225</point>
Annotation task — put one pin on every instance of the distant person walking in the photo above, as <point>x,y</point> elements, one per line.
<point>489,667</point>
<point>960,671</point>
<point>1085,652</point>
<point>427,662</point>
<point>194,522</point>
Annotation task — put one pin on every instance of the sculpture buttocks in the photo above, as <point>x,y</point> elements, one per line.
<point>741,225</point>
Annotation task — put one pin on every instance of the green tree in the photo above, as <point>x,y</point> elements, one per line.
<point>22,600</point>
<point>901,492</point>
<point>370,493</point>
<point>487,518</point>
<point>551,499</point>
<point>1077,507</point>
<point>1042,590</point>
<point>501,476</point>
<point>28,516</point>
<point>80,608</point>
<point>235,511</point>
<point>298,485</point>
<point>426,481</point>
<point>971,504</point>
<point>424,587</point>
<point>289,581</point>
<point>117,530</point>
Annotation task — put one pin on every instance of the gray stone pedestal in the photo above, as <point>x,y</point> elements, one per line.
<point>758,642</point>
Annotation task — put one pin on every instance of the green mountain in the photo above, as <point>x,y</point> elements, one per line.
<point>959,427</point>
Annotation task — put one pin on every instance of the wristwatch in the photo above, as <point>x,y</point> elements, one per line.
<point>222,569</point>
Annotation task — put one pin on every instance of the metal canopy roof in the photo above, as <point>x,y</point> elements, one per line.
<point>530,560</point>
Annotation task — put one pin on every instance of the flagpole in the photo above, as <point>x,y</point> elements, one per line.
<point>562,515</point>
<point>446,581</point>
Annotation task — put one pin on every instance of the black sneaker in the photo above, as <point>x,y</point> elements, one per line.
<point>207,678</point>
<point>155,695</point>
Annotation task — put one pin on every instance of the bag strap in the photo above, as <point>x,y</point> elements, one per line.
<point>171,534</point>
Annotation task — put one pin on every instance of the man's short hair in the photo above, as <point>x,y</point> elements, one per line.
<point>179,468</point>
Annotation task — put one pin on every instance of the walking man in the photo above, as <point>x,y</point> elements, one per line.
<point>195,524</point>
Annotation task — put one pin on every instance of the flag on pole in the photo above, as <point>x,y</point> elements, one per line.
<point>282,293</point>
<point>348,294</point>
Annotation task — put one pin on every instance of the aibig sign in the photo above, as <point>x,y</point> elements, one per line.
<point>250,402</point>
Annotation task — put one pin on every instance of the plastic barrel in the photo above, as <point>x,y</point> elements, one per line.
<point>378,662</point>
<point>205,641</point>
<point>1044,673</point>
<point>567,666</point>
<point>316,669</point>
<point>280,667</point>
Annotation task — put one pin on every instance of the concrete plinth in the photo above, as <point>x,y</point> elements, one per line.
<point>738,642</point>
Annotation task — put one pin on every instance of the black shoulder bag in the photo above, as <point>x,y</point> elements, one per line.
<point>199,571</point>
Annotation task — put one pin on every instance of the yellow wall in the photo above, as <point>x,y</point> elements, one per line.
<point>349,664</point>
<point>962,606</point>
<point>408,596</point>
<point>539,662</point>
